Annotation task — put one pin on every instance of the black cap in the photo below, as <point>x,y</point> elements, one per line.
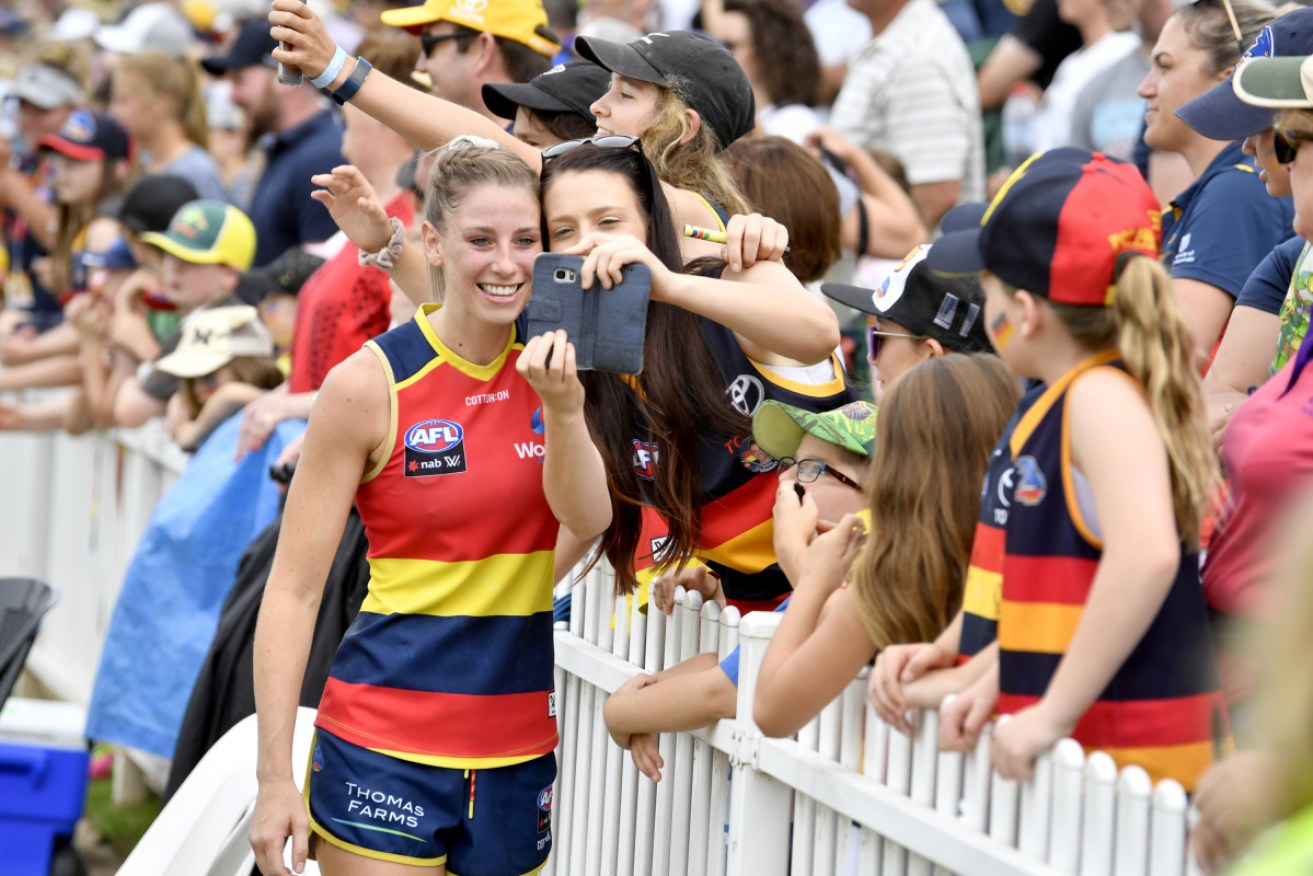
<point>572,87</point>
<point>152,200</point>
<point>252,47</point>
<point>949,309</point>
<point>284,275</point>
<point>700,70</point>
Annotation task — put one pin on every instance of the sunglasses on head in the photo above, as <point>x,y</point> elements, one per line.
<point>429,40</point>
<point>610,141</point>
<point>875,340</point>
<point>1286,144</point>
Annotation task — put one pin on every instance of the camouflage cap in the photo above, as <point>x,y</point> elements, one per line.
<point>778,428</point>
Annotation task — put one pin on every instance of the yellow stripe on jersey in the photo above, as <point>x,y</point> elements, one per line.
<point>983,593</point>
<point>475,588</point>
<point>377,468</point>
<point>1169,761</point>
<point>457,763</point>
<point>1038,627</point>
<point>813,390</point>
<point>748,552</point>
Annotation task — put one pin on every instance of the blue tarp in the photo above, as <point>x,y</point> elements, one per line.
<point>167,611</point>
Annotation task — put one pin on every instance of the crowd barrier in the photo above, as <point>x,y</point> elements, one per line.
<point>848,795</point>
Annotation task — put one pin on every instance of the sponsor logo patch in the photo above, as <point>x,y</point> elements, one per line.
<point>544,809</point>
<point>434,447</point>
<point>1031,483</point>
<point>645,459</point>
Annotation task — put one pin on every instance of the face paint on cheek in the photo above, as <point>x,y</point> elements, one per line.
<point>1001,330</point>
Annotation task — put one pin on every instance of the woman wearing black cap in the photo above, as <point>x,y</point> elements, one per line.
<point>682,93</point>
<point>552,106</point>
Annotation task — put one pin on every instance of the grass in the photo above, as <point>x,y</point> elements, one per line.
<point>121,826</point>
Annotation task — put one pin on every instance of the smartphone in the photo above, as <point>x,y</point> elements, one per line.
<point>288,75</point>
<point>606,326</point>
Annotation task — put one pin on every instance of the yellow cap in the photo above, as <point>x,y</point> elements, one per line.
<point>518,20</point>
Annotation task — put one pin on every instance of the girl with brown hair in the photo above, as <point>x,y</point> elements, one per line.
<point>936,426</point>
<point>158,100</point>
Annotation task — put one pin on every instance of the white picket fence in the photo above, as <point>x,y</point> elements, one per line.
<point>849,795</point>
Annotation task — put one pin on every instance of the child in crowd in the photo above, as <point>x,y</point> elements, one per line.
<point>825,454</point>
<point>936,428</point>
<point>1092,578</point>
<point>224,360</point>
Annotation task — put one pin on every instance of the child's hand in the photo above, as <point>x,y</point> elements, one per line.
<point>697,578</point>
<point>795,521</point>
<point>646,754</point>
<point>895,667</point>
<point>831,554</point>
<point>961,718</point>
<point>1027,735</point>
<point>556,380</point>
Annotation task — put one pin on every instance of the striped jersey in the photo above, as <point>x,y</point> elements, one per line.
<point>1163,708</point>
<point>450,660</point>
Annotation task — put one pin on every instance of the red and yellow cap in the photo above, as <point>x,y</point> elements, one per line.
<point>1056,228</point>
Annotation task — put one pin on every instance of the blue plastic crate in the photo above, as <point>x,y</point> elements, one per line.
<point>43,782</point>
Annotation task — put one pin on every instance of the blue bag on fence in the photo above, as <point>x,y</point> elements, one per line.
<point>167,611</point>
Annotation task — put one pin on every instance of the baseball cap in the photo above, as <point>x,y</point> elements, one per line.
<point>208,233</point>
<point>88,136</point>
<point>150,27</point>
<point>1276,83</point>
<point>252,47</point>
<point>152,201</point>
<point>571,87</point>
<point>948,309</point>
<point>1057,227</point>
<point>523,21</point>
<point>696,67</point>
<point>117,258</point>
<point>214,337</point>
<point>47,87</point>
<point>778,428</point>
<point>1219,113</point>
<point>284,275</point>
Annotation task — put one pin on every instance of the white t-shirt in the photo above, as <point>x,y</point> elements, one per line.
<point>1053,120</point>
<point>912,91</point>
<point>793,122</point>
<point>838,30</point>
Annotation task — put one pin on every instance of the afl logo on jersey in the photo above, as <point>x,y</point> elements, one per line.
<point>645,459</point>
<point>1031,483</point>
<point>434,447</point>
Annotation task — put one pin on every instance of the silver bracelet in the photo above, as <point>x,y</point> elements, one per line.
<point>386,258</point>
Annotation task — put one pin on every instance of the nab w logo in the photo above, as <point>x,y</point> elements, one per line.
<point>434,436</point>
<point>434,447</point>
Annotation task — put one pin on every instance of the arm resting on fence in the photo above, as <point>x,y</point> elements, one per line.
<point>690,695</point>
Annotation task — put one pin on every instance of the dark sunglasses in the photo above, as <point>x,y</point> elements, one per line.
<point>610,141</point>
<point>875,340</point>
<point>810,469</point>
<point>1285,145</point>
<point>429,40</point>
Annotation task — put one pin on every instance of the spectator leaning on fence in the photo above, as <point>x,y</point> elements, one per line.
<point>1101,621</point>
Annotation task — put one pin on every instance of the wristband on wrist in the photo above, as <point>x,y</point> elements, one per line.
<point>325,79</point>
<point>386,258</point>
<point>348,89</point>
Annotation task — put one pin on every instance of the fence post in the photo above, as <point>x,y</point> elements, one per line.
<point>759,805</point>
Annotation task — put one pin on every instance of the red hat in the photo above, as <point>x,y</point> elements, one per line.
<point>1056,228</point>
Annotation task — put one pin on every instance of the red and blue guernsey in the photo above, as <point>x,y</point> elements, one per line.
<point>449,662</point>
<point>1163,709</point>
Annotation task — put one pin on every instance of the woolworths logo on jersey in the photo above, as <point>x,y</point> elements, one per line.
<point>530,450</point>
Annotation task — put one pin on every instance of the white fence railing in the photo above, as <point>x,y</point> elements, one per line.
<point>849,795</point>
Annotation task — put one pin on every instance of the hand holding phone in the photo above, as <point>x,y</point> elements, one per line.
<point>606,326</point>
<point>289,75</point>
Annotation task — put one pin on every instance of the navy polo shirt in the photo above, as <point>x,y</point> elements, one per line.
<point>1266,288</point>
<point>282,210</point>
<point>1221,227</point>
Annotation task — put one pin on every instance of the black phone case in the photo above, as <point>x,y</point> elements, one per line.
<point>606,326</point>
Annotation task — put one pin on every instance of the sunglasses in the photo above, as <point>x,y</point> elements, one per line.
<point>429,40</point>
<point>875,340</point>
<point>610,141</point>
<point>810,469</point>
<point>1285,145</point>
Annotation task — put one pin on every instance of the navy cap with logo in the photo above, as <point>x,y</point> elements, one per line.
<point>697,68</point>
<point>572,87</point>
<point>1057,227</point>
<point>948,309</point>
<point>88,136</point>
<point>1219,113</point>
<point>253,47</point>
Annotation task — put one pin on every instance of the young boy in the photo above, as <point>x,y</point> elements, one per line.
<point>823,454</point>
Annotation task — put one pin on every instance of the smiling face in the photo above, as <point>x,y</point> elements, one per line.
<point>1179,73</point>
<point>486,249</point>
<point>627,108</point>
<point>578,203</point>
